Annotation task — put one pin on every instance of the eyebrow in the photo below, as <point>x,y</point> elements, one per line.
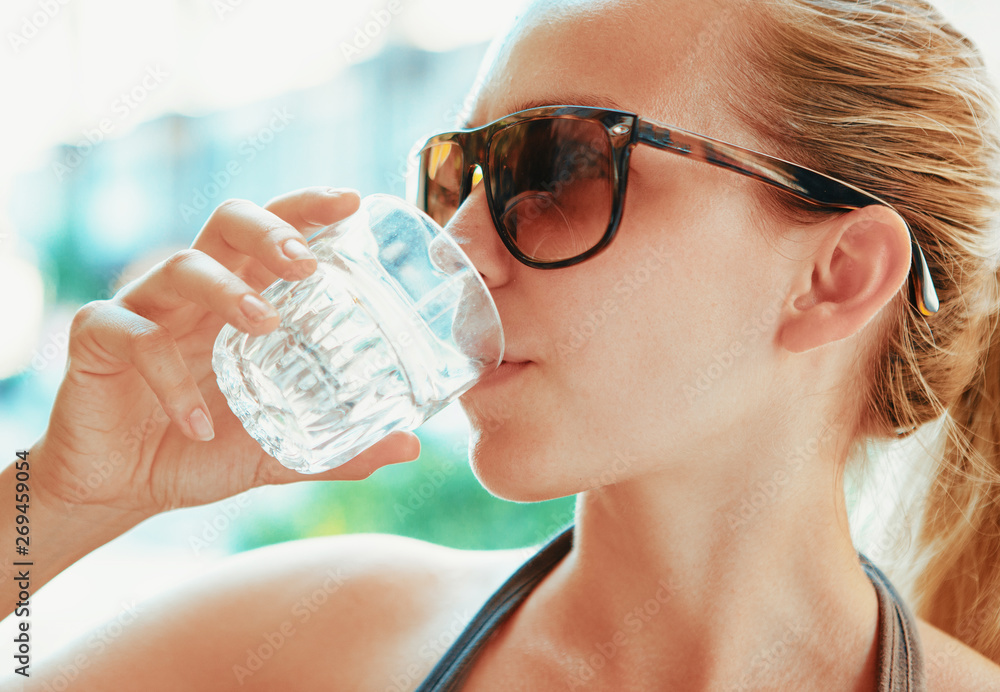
<point>589,100</point>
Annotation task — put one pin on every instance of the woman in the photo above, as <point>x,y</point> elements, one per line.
<point>742,340</point>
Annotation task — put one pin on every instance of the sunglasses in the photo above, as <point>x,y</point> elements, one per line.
<point>555,180</point>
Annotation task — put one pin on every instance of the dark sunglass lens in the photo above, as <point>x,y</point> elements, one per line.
<point>441,168</point>
<point>551,181</point>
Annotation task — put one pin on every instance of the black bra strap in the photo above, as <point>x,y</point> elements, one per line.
<point>450,672</point>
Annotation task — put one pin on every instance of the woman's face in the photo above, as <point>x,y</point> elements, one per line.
<point>651,355</point>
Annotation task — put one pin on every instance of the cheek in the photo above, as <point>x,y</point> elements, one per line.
<point>669,335</point>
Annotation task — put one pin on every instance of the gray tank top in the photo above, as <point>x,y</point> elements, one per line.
<point>900,662</point>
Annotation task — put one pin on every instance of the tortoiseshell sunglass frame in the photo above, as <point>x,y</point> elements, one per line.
<point>625,130</point>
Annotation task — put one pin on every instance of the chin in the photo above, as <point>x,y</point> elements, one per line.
<point>518,471</point>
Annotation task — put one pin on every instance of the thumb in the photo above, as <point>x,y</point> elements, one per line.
<point>395,448</point>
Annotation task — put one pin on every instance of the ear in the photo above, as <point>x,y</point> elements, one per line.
<point>862,261</point>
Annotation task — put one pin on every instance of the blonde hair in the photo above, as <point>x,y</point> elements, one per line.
<point>887,95</point>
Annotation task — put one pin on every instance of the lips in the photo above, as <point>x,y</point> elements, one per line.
<point>507,371</point>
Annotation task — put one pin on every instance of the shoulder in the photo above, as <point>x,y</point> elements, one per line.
<point>953,666</point>
<point>363,611</point>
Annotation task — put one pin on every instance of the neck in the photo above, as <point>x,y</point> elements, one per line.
<point>714,583</point>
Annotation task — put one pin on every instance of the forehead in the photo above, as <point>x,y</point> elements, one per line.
<point>653,57</point>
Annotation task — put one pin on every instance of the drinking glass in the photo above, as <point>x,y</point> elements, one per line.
<point>394,324</point>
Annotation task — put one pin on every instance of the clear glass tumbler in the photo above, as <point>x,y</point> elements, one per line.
<point>394,324</point>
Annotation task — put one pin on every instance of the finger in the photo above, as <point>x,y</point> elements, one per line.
<point>106,338</point>
<point>395,448</point>
<point>252,241</point>
<point>307,210</point>
<point>314,207</point>
<point>239,231</point>
<point>191,276</point>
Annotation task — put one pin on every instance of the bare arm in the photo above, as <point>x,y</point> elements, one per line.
<point>53,534</point>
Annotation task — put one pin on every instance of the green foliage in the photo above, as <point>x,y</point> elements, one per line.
<point>436,499</point>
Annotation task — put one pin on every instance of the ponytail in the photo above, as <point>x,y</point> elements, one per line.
<point>958,589</point>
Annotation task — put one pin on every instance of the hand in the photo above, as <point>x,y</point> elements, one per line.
<point>139,395</point>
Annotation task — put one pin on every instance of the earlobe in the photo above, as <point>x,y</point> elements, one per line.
<point>862,262</point>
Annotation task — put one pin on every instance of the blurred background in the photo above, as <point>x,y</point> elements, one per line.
<point>127,123</point>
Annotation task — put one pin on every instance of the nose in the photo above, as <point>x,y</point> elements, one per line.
<point>473,230</point>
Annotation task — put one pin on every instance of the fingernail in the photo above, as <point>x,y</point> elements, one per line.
<point>338,191</point>
<point>200,425</point>
<point>295,249</point>
<point>255,309</point>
